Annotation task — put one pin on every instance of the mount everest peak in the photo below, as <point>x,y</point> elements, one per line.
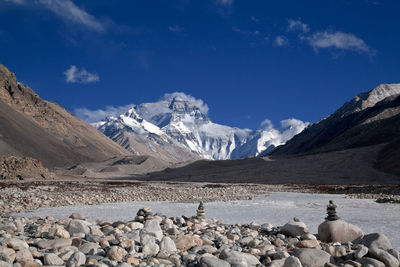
<point>177,129</point>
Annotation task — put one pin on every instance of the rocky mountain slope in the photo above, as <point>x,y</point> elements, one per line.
<point>33,127</point>
<point>177,129</point>
<point>371,118</point>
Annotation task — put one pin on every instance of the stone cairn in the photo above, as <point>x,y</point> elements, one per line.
<point>201,213</point>
<point>331,211</point>
<point>144,214</point>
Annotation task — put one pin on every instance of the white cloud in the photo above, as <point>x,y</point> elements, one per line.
<point>297,25</point>
<point>76,75</point>
<point>97,115</point>
<point>337,40</point>
<point>175,28</point>
<point>226,3</point>
<point>281,41</point>
<point>196,102</point>
<point>272,137</point>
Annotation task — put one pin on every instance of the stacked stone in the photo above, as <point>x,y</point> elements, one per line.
<point>331,211</point>
<point>144,214</point>
<point>201,213</point>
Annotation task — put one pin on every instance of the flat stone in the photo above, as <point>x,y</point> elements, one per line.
<point>54,244</point>
<point>313,257</point>
<point>338,231</point>
<point>52,259</point>
<point>77,216</point>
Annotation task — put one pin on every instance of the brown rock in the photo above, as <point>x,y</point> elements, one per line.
<point>23,255</point>
<point>185,242</point>
<point>77,216</point>
<point>116,253</point>
<point>17,244</point>
<point>309,244</point>
<point>62,233</point>
<point>28,263</point>
<point>132,261</point>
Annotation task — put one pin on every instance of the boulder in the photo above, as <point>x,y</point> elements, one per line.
<point>294,228</point>
<point>338,231</point>
<point>313,257</point>
<point>374,240</point>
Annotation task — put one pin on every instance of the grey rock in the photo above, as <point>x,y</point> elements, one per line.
<point>394,253</point>
<point>361,252</point>
<point>150,249</point>
<point>370,261</point>
<point>89,248</point>
<point>294,228</point>
<point>124,264</point>
<point>286,262</point>
<point>313,257</point>
<point>78,226</point>
<point>153,227</point>
<point>77,259</point>
<point>338,231</point>
<point>208,260</point>
<point>52,259</point>
<point>167,246</point>
<point>238,258</point>
<point>383,256</point>
<point>375,240</point>
<point>5,257</point>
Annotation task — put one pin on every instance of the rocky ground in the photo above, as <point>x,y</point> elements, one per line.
<point>26,196</point>
<point>26,168</point>
<point>154,240</point>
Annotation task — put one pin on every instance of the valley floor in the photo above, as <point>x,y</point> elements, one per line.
<point>26,196</point>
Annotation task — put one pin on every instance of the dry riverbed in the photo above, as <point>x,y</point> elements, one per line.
<point>26,196</point>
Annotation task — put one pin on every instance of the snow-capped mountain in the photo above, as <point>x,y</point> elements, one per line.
<point>177,129</point>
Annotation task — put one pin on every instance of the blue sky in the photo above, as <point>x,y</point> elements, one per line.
<point>247,60</point>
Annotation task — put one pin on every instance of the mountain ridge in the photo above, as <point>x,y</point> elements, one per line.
<point>180,123</point>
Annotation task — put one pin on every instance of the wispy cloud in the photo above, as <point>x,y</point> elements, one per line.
<point>337,40</point>
<point>281,41</point>
<point>297,25</point>
<point>97,115</point>
<point>70,12</point>
<point>18,2</point>
<point>76,75</point>
<point>67,11</point>
<point>175,28</point>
